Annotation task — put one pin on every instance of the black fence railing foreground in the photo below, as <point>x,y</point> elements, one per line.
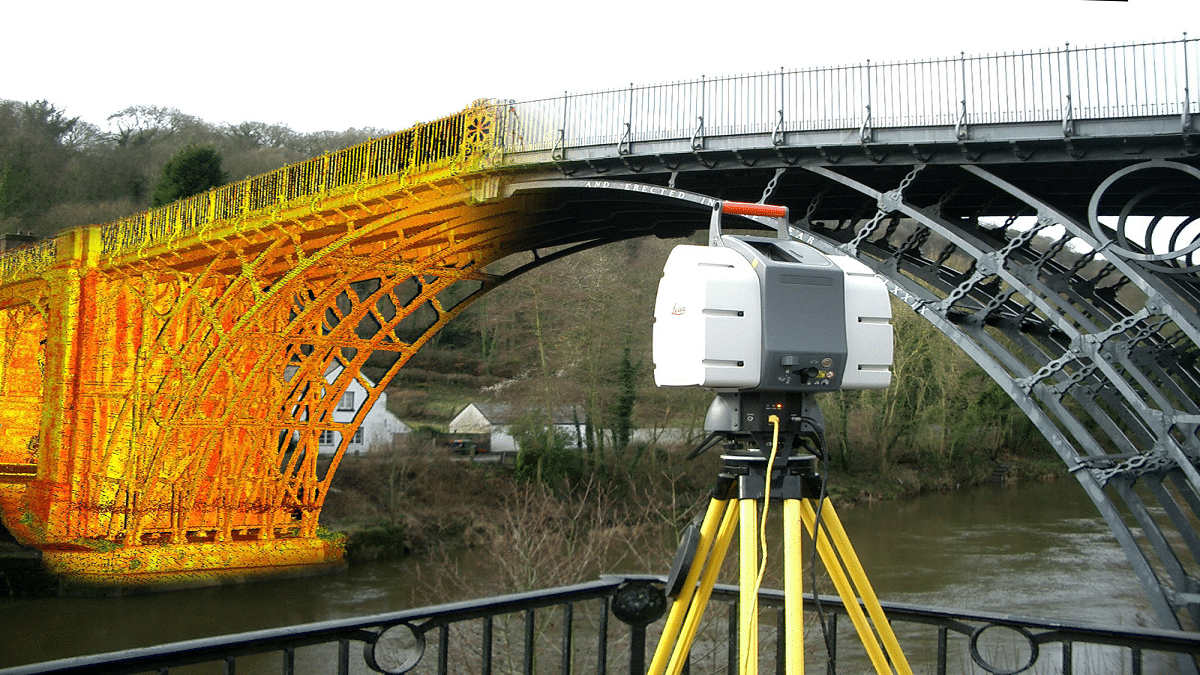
<point>612,625</point>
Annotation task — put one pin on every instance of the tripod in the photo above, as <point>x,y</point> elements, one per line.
<point>746,480</point>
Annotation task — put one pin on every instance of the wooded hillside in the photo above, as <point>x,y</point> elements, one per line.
<point>58,171</point>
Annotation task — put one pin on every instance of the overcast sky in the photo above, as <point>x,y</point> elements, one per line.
<point>369,63</point>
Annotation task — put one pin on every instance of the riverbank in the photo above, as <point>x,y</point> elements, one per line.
<point>423,501</point>
<point>405,501</point>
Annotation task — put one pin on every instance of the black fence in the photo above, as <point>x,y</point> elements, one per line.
<point>612,625</point>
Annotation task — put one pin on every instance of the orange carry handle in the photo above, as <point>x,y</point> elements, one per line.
<point>748,209</point>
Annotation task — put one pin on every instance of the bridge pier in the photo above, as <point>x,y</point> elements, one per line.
<point>202,564</point>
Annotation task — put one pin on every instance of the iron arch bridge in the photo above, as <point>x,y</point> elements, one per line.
<point>1041,209</point>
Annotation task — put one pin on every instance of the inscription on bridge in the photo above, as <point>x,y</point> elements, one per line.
<point>670,193</point>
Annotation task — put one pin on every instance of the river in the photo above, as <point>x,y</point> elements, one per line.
<point>1035,550</point>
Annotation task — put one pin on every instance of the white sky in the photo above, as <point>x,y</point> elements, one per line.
<point>371,63</point>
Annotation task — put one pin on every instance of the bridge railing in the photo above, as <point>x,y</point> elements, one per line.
<point>1063,84</point>
<point>27,260</point>
<point>445,142</point>
<point>604,625</point>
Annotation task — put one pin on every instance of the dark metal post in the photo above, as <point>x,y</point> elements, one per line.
<point>568,617</point>
<point>833,632</point>
<point>1068,122</point>
<point>941,650</point>
<point>637,649</point>
<point>529,628</point>
<point>443,648</point>
<point>485,667</point>
<point>289,660</point>
<point>1185,117</point>
<point>602,639</point>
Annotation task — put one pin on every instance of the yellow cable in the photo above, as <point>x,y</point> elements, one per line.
<point>762,534</point>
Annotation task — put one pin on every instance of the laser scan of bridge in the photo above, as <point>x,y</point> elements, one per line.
<point>163,377</point>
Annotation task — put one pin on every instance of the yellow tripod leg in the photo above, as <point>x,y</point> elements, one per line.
<point>793,588</point>
<point>834,565</point>
<point>708,579</point>
<point>748,594</point>
<point>838,575</point>
<point>682,605</point>
<point>842,541</point>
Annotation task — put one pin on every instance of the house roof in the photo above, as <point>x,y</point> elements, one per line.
<point>508,413</point>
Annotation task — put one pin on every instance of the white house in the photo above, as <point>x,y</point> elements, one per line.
<point>494,422</point>
<point>378,428</point>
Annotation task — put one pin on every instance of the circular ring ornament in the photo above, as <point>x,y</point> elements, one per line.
<point>987,665</point>
<point>479,129</point>
<point>396,650</point>
<point>1120,246</point>
<point>639,603</point>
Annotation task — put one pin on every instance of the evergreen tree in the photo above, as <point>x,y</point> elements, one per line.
<point>622,410</point>
<point>191,171</point>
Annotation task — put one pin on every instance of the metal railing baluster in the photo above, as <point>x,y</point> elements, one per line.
<point>529,645</point>
<point>602,639</point>
<point>942,649</point>
<point>443,649</point>
<point>485,666</point>
<point>833,644</point>
<point>288,660</point>
<point>568,616</point>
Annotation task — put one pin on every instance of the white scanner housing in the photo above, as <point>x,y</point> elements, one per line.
<point>708,310</point>
<point>770,315</point>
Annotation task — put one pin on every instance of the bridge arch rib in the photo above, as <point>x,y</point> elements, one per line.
<point>1096,345</point>
<point>1068,356</point>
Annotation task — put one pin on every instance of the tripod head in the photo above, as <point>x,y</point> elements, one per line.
<point>742,420</point>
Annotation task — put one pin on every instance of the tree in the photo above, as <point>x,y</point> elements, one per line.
<point>545,455</point>
<point>143,125</point>
<point>34,159</point>
<point>622,409</point>
<point>191,171</point>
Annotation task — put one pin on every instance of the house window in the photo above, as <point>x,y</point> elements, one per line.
<point>358,436</point>
<point>347,402</point>
<point>326,438</point>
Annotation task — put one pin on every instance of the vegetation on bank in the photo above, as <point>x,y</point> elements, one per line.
<point>419,498</point>
<point>577,332</point>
